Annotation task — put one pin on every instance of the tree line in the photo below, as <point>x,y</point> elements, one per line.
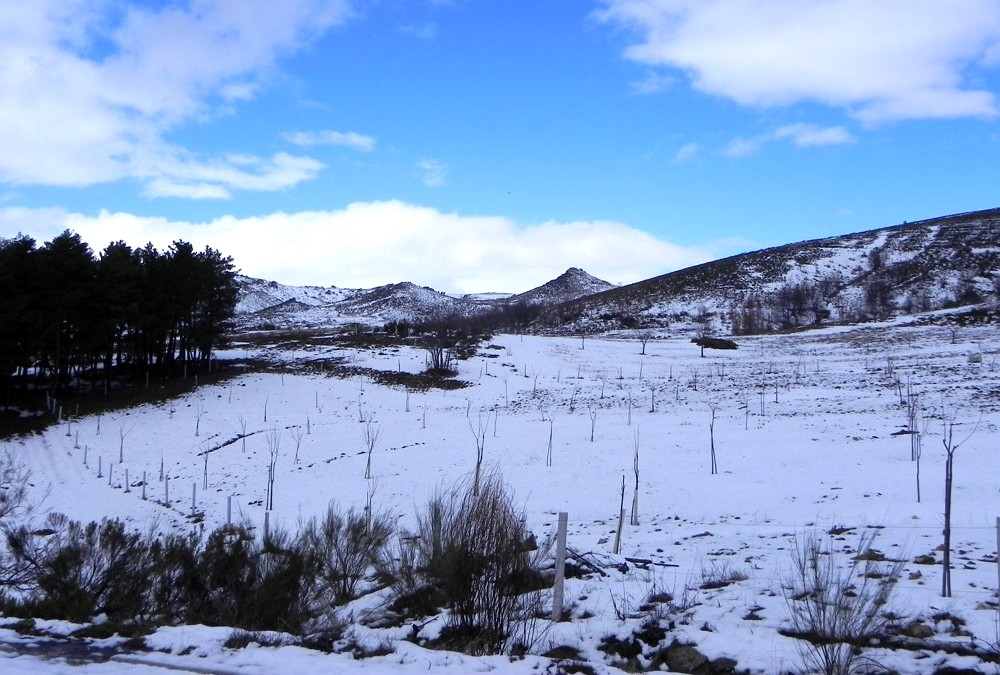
<point>70,317</point>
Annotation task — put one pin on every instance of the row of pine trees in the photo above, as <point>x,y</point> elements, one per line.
<point>70,317</point>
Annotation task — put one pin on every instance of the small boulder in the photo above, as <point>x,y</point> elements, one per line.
<point>685,659</point>
<point>918,631</point>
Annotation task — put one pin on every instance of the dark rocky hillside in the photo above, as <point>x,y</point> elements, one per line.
<point>572,284</point>
<point>914,267</point>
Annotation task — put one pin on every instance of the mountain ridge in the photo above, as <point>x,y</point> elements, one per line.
<point>907,268</point>
<point>269,304</point>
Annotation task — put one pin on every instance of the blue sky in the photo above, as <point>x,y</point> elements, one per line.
<point>482,145</point>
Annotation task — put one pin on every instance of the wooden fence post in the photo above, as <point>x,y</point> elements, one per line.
<point>557,588</point>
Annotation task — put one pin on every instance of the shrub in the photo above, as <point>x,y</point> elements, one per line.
<point>248,583</point>
<point>342,547</point>
<point>75,571</point>
<point>13,487</point>
<point>838,607</point>
<point>469,554</point>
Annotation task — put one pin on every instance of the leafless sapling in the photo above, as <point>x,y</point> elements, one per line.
<point>479,434</point>
<point>243,432</point>
<point>199,410</point>
<point>593,423</point>
<point>273,438</point>
<point>950,446</point>
<point>297,435</point>
<point>711,435</point>
<point>635,469</point>
<point>372,432</point>
<point>122,433</point>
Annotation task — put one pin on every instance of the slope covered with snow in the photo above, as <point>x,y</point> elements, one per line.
<point>572,284</point>
<point>811,433</point>
<point>914,267</point>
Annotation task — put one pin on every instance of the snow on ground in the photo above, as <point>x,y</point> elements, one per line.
<point>804,433</point>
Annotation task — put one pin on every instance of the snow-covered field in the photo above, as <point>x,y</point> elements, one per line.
<point>803,430</point>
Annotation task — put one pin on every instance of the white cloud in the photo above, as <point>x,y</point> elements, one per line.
<point>884,60</point>
<point>686,153</point>
<point>347,139</point>
<point>173,176</point>
<point>743,147</point>
<point>800,135</point>
<point>427,31</point>
<point>372,243</point>
<point>810,135</point>
<point>432,172</point>
<point>653,83</point>
<point>89,90</point>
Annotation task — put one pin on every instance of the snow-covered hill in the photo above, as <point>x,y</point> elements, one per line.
<point>256,295</point>
<point>572,284</point>
<point>914,267</point>
<point>812,433</point>
<point>268,304</point>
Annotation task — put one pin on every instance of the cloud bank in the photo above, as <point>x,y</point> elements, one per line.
<point>881,60</point>
<point>368,244</point>
<point>90,90</point>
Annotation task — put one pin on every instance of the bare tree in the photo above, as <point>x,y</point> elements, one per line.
<point>635,469</point>
<point>122,433</point>
<point>479,434</point>
<point>199,410</point>
<point>372,432</point>
<point>298,433</point>
<point>243,432</point>
<point>950,446</point>
<point>273,438</point>
<point>644,337</point>
<point>711,434</point>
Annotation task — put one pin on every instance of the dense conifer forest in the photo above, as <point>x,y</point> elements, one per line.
<point>70,319</point>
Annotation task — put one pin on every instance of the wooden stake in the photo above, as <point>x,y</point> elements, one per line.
<point>557,588</point>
